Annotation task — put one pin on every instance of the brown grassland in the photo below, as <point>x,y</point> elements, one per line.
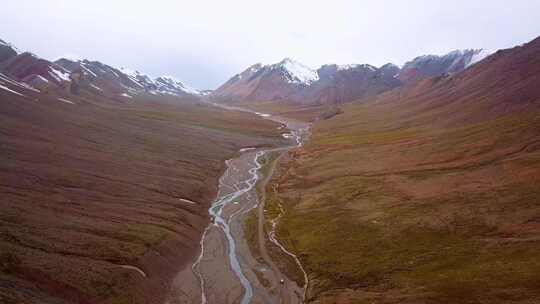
<point>92,187</point>
<point>427,194</point>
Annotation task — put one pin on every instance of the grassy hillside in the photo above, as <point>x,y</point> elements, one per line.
<point>93,192</point>
<point>427,194</point>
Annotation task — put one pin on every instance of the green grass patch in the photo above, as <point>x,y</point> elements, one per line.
<point>345,253</point>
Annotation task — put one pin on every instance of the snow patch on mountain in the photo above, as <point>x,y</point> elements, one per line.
<point>42,79</point>
<point>162,84</point>
<point>249,71</point>
<point>5,79</point>
<point>478,56</point>
<point>130,72</point>
<point>66,100</point>
<point>96,87</point>
<point>59,75</point>
<point>297,72</point>
<point>345,67</point>
<point>87,70</point>
<point>171,85</point>
<point>10,90</point>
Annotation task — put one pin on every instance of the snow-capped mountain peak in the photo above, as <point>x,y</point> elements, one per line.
<point>131,80</point>
<point>130,72</point>
<point>346,67</point>
<point>169,84</point>
<point>254,68</point>
<point>60,74</point>
<point>478,56</point>
<point>297,72</point>
<point>432,65</point>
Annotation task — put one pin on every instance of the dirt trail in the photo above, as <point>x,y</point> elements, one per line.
<point>287,290</point>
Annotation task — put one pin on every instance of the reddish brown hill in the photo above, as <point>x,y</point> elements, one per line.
<point>504,82</point>
<point>27,65</point>
<point>92,191</point>
<point>75,76</point>
<point>425,194</point>
<point>278,82</point>
<point>292,82</point>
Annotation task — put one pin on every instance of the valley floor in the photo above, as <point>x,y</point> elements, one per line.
<point>234,265</point>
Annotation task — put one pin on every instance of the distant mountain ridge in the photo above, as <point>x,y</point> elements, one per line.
<point>291,81</point>
<point>434,65</point>
<point>285,81</point>
<point>73,75</point>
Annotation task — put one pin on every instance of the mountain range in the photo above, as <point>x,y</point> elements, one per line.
<point>292,82</point>
<point>73,75</point>
<point>418,184</point>
<point>287,81</point>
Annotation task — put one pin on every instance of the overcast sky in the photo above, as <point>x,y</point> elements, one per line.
<point>205,42</point>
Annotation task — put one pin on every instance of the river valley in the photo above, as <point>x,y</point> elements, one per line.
<point>226,271</point>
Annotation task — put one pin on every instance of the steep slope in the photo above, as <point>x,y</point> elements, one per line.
<point>104,202</point>
<point>103,76</point>
<point>424,194</point>
<point>239,85</point>
<point>26,67</point>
